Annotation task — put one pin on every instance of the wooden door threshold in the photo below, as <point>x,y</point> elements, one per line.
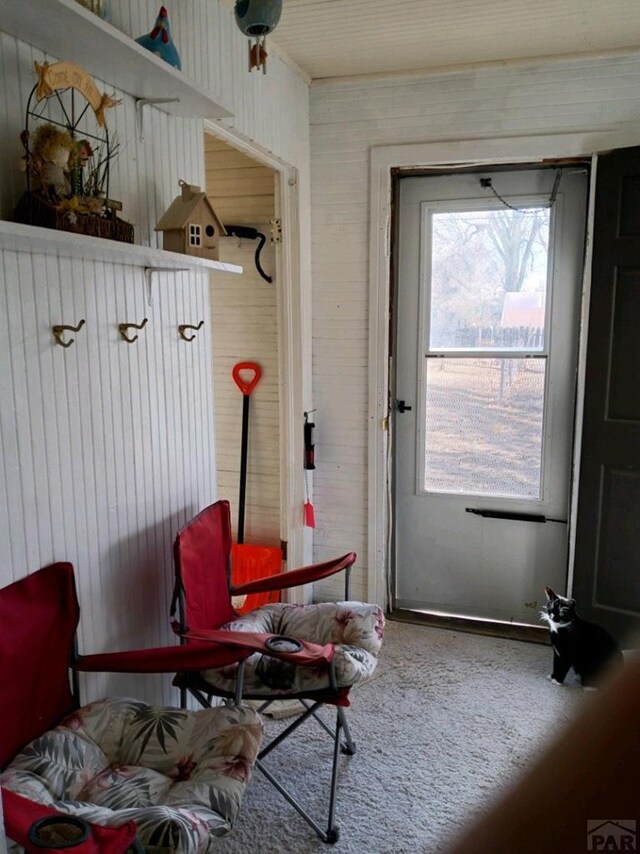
<point>473,625</point>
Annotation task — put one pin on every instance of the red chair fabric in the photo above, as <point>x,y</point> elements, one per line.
<point>41,612</point>
<point>162,659</point>
<point>202,551</point>
<point>20,813</point>
<point>296,577</point>
<point>308,654</point>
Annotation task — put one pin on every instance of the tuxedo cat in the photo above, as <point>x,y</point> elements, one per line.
<point>577,643</point>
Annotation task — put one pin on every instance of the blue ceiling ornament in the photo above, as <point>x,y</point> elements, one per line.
<point>256,19</point>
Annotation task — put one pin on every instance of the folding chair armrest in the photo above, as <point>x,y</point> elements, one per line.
<point>296,577</point>
<point>309,653</point>
<point>20,813</point>
<point>162,659</point>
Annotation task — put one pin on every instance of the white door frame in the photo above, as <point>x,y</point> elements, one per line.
<point>449,154</point>
<point>291,323</point>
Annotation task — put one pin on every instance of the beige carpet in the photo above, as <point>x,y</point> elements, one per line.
<point>448,719</point>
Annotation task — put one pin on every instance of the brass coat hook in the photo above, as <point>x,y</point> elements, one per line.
<point>184,326</point>
<point>59,329</point>
<point>122,329</point>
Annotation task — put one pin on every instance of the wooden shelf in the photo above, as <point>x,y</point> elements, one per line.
<point>68,31</point>
<point>16,237</point>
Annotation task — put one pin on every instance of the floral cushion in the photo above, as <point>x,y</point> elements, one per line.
<point>179,775</point>
<point>355,628</point>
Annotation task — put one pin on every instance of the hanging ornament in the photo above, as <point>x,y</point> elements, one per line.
<point>256,19</point>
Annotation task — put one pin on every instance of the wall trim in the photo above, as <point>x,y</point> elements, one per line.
<point>451,153</point>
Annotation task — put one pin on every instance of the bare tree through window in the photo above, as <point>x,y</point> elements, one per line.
<point>484,415</point>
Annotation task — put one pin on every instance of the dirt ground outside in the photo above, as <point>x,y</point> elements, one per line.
<point>484,426</point>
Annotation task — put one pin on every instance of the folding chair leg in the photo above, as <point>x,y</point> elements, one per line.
<point>349,745</point>
<point>287,732</point>
<point>294,803</point>
<point>203,699</point>
<point>332,832</point>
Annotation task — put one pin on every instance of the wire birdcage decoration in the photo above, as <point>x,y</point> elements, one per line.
<point>69,188</point>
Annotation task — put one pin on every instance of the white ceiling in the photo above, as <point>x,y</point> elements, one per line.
<point>337,38</point>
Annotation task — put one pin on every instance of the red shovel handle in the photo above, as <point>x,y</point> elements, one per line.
<point>246,386</point>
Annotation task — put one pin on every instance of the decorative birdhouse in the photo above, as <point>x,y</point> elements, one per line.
<point>191,225</point>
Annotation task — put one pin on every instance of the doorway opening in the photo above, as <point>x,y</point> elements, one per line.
<point>489,269</point>
<point>244,319</point>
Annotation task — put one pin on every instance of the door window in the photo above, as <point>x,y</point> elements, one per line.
<point>486,351</point>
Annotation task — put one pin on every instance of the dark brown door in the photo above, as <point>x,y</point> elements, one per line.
<point>607,565</point>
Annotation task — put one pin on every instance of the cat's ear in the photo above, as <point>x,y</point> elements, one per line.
<point>571,603</point>
<point>550,593</point>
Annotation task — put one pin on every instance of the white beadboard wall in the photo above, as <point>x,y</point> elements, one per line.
<point>270,109</point>
<point>107,448</point>
<point>347,119</point>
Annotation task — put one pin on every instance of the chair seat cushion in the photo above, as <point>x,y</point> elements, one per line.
<point>354,627</point>
<point>179,775</point>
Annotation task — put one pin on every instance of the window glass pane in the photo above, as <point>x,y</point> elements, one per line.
<point>489,279</point>
<point>483,432</point>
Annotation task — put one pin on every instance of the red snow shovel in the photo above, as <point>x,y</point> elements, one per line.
<point>249,562</point>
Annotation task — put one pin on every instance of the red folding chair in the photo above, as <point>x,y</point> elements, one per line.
<point>119,769</point>
<point>313,653</point>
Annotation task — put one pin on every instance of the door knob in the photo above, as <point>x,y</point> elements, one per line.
<point>401,406</point>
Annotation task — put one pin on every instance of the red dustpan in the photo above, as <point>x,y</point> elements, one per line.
<point>249,561</point>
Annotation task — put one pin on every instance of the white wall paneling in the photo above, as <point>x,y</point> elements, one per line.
<point>596,101</point>
<point>270,110</point>
<point>84,38</point>
<point>241,189</point>
<point>108,447</point>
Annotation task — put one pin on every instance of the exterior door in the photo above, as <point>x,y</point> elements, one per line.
<point>607,562</point>
<point>489,275</point>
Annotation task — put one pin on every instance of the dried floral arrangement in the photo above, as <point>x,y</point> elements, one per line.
<point>68,155</point>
